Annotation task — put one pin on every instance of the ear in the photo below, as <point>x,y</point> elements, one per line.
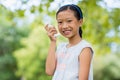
<point>80,22</point>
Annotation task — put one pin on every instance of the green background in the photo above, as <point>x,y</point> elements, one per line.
<point>24,43</point>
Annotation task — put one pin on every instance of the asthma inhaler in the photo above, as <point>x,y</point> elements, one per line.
<point>55,35</point>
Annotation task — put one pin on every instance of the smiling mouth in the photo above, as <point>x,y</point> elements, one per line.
<point>67,32</point>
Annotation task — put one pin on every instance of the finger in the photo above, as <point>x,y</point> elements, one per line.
<point>48,27</point>
<point>51,34</point>
<point>52,30</point>
<point>51,26</point>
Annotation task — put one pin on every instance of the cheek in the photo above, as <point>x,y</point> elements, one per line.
<point>59,27</point>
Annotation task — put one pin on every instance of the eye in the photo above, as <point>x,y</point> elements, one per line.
<point>59,22</point>
<point>69,20</point>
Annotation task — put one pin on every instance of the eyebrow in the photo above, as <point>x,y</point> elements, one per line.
<point>62,19</point>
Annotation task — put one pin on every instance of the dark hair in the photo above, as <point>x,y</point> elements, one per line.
<point>77,12</point>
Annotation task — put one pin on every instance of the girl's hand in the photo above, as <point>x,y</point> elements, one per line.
<point>51,31</point>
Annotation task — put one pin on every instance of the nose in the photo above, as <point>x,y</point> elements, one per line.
<point>65,25</point>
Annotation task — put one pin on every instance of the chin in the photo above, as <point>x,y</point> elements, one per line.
<point>68,36</point>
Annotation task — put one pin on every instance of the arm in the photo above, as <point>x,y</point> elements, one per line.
<point>85,60</point>
<point>51,57</point>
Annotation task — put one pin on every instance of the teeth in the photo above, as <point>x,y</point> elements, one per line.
<point>67,32</point>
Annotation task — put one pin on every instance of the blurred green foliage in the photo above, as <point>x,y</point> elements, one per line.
<point>24,43</point>
<point>31,58</point>
<point>107,67</point>
<point>10,36</point>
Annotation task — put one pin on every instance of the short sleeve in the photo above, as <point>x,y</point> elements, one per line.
<point>86,44</point>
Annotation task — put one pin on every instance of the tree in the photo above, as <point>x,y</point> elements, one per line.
<point>31,58</point>
<point>10,36</point>
<point>30,52</point>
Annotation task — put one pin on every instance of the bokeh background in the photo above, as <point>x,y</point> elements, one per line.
<point>24,43</point>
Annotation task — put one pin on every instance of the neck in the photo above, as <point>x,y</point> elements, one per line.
<point>74,40</point>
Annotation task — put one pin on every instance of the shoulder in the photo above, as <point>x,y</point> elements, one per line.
<point>86,51</point>
<point>85,42</point>
<point>86,46</point>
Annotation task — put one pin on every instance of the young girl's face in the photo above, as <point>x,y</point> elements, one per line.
<point>68,24</point>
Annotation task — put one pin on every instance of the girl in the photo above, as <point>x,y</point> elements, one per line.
<point>71,60</point>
